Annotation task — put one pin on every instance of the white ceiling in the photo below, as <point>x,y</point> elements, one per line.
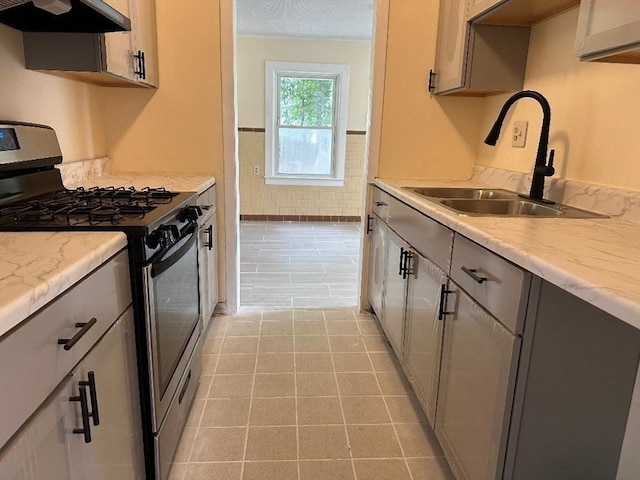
<point>328,19</point>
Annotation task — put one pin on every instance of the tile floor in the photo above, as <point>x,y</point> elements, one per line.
<point>299,264</point>
<point>304,395</point>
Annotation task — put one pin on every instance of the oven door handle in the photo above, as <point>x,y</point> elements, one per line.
<point>162,264</point>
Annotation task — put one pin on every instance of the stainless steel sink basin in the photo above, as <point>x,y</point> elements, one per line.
<point>496,202</point>
<point>476,193</point>
<point>517,207</point>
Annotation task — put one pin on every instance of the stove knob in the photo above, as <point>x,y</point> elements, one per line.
<point>163,236</point>
<point>190,214</point>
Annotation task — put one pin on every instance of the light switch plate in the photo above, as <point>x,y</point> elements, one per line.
<point>519,136</point>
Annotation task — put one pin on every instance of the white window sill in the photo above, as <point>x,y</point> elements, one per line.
<point>304,181</point>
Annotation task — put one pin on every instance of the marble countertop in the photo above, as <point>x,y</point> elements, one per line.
<point>178,183</point>
<point>36,267</point>
<point>596,259</point>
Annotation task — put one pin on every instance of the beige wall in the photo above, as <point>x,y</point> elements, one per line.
<point>252,52</point>
<point>595,112</point>
<point>256,198</point>
<point>70,107</point>
<point>422,136</point>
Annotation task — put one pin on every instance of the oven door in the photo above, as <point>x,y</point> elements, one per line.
<point>172,316</point>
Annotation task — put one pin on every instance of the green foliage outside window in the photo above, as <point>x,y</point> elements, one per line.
<point>306,102</point>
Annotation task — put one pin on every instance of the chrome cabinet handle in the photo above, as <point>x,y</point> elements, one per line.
<point>84,328</point>
<point>472,273</point>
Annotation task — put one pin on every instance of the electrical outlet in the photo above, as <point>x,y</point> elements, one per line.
<point>519,136</point>
<point>256,170</point>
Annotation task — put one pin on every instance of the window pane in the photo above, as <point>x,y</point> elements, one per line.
<point>306,102</point>
<point>305,151</point>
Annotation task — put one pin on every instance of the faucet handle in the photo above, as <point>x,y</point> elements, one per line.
<point>549,170</point>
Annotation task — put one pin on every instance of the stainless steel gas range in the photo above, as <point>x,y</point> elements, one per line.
<point>162,233</point>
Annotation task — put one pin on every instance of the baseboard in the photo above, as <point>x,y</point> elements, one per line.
<point>302,218</point>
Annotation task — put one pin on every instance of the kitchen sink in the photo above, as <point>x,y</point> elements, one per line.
<point>496,202</point>
<point>475,193</point>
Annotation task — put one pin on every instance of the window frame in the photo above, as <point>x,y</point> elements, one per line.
<point>275,70</point>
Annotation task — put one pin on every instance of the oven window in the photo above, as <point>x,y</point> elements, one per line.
<point>176,312</point>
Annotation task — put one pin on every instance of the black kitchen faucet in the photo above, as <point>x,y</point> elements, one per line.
<point>541,168</point>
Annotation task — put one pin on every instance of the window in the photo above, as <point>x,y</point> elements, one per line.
<point>305,124</point>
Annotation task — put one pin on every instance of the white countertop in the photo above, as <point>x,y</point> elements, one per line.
<point>178,183</point>
<point>597,260</point>
<point>36,267</point>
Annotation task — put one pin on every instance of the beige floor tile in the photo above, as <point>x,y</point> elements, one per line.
<point>316,384</point>
<point>225,412</point>
<point>276,344</point>
<point>275,363</point>
<point>343,328</point>
<point>242,329</point>
<point>369,327</point>
<point>365,410</point>
<point>207,471</point>
<point>271,443</point>
<point>236,364</point>
<point>209,363</point>
<point>313,362</point>
<point>277,327</point>
<point>309,327</point>
<point>311,344</point>
<point>318,442</point>
<point>418,440</point>
<point>203,386</point>
<point>351,344</point>
<point>212,345</point>
<point>315,314</point>
<point>219,444</point>
<point>274,385</point>
<point>405,409</point>
<point>267,411</point>
<point>178,471</point>
<point>231,386</point>
<point>185,445</point>
<point>357,384</point>
<point>430,468</point>
<point>218,327</point>
<point>319,411</point>
<point>373,441</point>
<point>385,362</point>
<point>386,469</point>
<point>270,471</point>
<point>277,315</point>
<point>326,470</point>
<point>339,315</point>
<point>195,414</point>
<point>392,383</point>
<point>352,362</point>
<point>375,343</point>
<point>240,345</point>
<point>248,316</point>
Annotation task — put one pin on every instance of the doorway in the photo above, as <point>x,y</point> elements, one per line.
<point>299,243</point>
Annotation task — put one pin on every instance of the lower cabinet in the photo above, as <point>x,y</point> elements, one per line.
<point>377,262</point>
<point>89,427</point>
<point>392,320</point>
<point>207,255</point>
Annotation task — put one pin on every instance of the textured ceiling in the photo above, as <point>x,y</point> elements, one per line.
<point>329,19</point>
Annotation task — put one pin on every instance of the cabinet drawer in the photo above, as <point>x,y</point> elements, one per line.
<point>207,202</point>
<point>499,286</point>
<point>32,362</point>
<point>381,201</point>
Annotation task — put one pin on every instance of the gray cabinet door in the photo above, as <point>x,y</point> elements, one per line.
<point>377,266</point>
<point>475,396</point>
<point>394,292</point>
<point>208,269</point>
<point>115,451</point>
<point>423,339</point>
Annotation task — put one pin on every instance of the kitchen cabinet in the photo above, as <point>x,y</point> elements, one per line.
<point>117,58</point>
<point>377,260</point>
<point>515,12</point>
<point>476,59</point>
<point>207,255</point>
<point>609,31</point>
<point>72,410</point>
<point>395,291</point>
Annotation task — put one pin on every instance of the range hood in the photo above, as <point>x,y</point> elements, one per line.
<point>83,16</point>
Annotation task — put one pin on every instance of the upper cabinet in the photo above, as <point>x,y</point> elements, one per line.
<point>609,31</point>
<point>516,12</point>
<point>477,59</point>
<point>118,59</point>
